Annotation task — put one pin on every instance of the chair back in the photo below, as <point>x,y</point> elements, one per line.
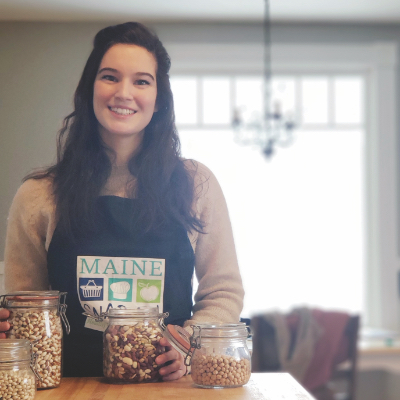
<point>342,382</point>
<point>345,370</point>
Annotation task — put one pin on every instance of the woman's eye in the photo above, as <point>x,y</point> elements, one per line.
<point>109,78</point>
<point>142,82</point>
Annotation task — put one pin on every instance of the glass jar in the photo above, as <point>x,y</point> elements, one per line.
<point>36,316</point>
<point>131,344</point>
<point>218,353</point>
<point>17,379</point>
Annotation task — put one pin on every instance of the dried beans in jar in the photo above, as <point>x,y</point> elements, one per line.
<point>131,345</point>
<point>36,316</point>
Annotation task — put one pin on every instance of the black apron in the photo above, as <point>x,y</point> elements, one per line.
<point>82,348</point>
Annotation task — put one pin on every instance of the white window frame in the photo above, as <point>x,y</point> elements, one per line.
<point>330,124</point>
<point>378,61</point>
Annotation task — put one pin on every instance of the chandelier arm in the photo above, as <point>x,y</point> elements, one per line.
<point>267,73</point>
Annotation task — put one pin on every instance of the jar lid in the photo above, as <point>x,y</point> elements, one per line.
<point>27,296</point>
<point>42,299</point>
<point>140,312</point>
<point>15,350</point>
<point>221,330</point>
<point>178,338</point>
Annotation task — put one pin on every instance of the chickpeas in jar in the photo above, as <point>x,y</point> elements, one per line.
<point>217,353</point>
<point>131,344</point>
<point>36,316</point>
<point>220,370</point>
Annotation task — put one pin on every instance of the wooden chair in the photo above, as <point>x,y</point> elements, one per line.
<point>264,356</point>
<point>342,383</point>
<point>343,379</point>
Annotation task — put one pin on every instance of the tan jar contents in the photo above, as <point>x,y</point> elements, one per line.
<point>218,353</point>
<point>36,316</point>
<point>220,370</point>
<point>17,380</point>
<point>131,344</point>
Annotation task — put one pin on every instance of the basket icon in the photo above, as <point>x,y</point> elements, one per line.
<point>91,291</point>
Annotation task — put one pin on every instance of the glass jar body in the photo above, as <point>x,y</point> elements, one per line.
<point>17,381</point>
<point>37,319</point>
<point>130,347</point>
<point>221,362</point>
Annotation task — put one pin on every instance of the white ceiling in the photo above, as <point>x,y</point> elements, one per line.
<point>229,10</point>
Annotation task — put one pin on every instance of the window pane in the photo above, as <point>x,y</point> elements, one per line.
<point>290,220</point>
<point>216,100</point>
<point>284,93</point>
<point>297,220</point>
<point>185,99</point>
<point>349,92</point>
<point>249,98</point>
<point>314,93</point>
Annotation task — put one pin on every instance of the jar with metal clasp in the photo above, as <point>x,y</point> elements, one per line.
<point>36,316</point>
<point>17,369</point>
<point>218,353</point>
<point>131,345</point>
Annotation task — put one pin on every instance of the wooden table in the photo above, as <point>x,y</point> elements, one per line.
<point>262,386</point>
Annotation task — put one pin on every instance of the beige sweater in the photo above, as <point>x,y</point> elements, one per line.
<point>32,221</point>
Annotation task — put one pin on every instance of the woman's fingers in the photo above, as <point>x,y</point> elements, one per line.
<point>164,342</point>
<point>173,366</point>
<point>173,371</point>
<point>4,325</point>
<point>169,354</point>
<point>4,313</point>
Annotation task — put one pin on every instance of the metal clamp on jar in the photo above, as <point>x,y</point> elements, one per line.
<point>131,344</point>
<point>217,353</point>
<point>36,316</point>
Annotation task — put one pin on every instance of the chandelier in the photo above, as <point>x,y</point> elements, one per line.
<point>273,127</point>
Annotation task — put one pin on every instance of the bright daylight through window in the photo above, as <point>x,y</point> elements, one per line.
<point>297,218</point>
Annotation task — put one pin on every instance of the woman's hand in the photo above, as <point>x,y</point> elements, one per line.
<point>176,367</point>
<point>4,325</point>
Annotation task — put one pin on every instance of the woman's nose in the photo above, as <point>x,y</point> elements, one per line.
<point>124,90</point>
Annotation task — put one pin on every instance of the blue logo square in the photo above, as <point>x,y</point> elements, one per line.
<point>91,289</point>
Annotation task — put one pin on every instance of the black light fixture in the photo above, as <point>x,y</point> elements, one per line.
<point>273,128</point>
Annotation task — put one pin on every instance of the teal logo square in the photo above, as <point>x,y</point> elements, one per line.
<point>120,289</point>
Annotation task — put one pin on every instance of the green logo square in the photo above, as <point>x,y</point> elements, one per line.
<point>120,289</point>
<point>148,291</point>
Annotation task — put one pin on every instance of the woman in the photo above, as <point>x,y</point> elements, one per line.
<point>120,205</point>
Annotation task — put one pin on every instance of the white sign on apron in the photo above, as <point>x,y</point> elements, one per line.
<point>118,282</point>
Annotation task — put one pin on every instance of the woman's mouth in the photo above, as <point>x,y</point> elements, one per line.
<point>122,111</point>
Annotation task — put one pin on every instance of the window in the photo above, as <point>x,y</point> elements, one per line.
<point>323,101</point>
<point>370,66</point>
<point>297,219</point>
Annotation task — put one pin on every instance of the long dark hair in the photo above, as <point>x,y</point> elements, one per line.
<point>164,187</point>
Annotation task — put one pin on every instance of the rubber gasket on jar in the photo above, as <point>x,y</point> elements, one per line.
<point>179,335</point>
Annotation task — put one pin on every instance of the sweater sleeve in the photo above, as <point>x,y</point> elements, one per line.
<point>29,230</point>
<point>220,293</point>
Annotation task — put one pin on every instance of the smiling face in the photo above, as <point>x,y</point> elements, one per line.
<point>125,92</point>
